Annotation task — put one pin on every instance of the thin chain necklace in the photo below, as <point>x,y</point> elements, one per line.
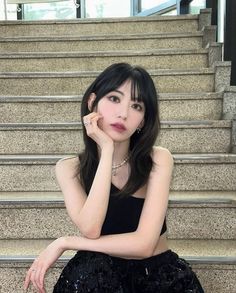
<point>116,167</point>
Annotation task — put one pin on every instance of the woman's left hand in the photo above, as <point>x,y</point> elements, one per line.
<point>42,263</point>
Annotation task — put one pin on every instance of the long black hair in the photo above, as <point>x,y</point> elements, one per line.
<point>141,144</point>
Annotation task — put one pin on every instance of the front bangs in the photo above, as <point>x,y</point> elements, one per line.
<point>109,84</point>
<point>136,91</point>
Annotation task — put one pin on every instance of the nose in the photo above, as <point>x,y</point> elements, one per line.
<point>123,111</point>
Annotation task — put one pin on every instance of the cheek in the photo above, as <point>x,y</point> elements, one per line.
<point>102,111</point>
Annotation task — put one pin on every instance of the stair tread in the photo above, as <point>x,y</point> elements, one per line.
<point>78,125</point>
<point>82,54</point>
<point>191,249</point>
<point>175,197</point>
<point>102,20</point>
<point>100,37</point>
<point>77,98</point>
<point>95,73</point>
<point>197,158</point>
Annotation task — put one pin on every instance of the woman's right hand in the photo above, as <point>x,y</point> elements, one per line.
<point>90,122</point>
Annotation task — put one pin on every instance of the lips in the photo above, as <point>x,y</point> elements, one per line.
<point>118,126</point>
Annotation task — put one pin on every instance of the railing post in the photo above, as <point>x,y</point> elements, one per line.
<point>230,37</point>
<point>5,9</point>
<point>135,7</point>
<point>213,4</point>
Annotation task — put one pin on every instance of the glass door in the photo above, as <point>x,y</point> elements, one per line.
<point>149,7</point>
<point>106,8</point>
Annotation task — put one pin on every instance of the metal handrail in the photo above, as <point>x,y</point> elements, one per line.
<point>159,9</point>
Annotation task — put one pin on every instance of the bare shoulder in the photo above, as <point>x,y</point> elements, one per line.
<point>162,156</point>
<point>67,165</point>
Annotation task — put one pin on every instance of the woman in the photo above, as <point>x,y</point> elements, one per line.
<point>116,192</point>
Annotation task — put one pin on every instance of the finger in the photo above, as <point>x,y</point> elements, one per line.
<point>92,121</point>
<point>33,280</point>
<point>37,278</point>
<point>91,116</point>
<point>41,280</point>
<point>27,280</point>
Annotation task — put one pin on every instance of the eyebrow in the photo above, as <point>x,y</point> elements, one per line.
<point>119,92</point>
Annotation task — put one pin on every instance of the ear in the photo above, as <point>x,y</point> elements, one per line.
<point>91,99</point>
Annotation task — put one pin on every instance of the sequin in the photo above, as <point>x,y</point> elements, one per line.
<point>100,273</point>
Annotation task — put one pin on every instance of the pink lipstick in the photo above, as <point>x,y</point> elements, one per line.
<point>118,127</point>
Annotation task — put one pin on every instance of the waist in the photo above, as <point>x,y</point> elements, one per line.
<point>145,264</point>
<point>161,248</point>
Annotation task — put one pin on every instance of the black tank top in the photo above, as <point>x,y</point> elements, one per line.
<point>123,214</point>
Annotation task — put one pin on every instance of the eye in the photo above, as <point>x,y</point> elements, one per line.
<point>114,99</point>
<point>137,107</point>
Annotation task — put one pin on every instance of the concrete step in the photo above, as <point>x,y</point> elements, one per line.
<point>52,109</point>
<point>191,172</point>
<point>213,260</point>
<point>201,215</point>
<point>102,42</point>
<point>60,138</point>
<point>72,83</point>
<point>94,60</point>
<point>86,27</point>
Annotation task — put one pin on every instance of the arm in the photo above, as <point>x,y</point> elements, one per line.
<point>138,244</point>
<point>88,211</point>
<point>143,241</point>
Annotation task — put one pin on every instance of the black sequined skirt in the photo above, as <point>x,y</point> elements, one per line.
<point>100,273</point>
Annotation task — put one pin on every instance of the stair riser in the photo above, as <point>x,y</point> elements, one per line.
<point>191,83</point>
<point>216,278</point>
<point>182,61</point>
<point>99,28</point>
<point>187,176</point>
<point>208,140</point>
<point>204,177</point>
<point>101,45</point>
<point>213,278</point>
<point>193,223</point>
<point>50,112</point>
<point>39,112</point>
<point>191,109</point>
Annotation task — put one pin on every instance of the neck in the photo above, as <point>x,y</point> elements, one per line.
<point>121,151</point>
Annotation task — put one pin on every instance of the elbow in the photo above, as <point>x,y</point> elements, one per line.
<point>92,235</point>
<point>146,247</point>
<point>90,232</point>
<point>146,252</point>
<point>87,229</point>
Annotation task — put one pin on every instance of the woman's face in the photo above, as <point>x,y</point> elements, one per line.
<point>121,115</point>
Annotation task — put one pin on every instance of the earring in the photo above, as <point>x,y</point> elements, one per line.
<point>138,130</point>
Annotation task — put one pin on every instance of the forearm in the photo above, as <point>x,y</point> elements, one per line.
<point>92,215</point>
<point>127,245</point>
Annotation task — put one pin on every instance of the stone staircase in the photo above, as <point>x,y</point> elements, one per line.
<point>45,68</point>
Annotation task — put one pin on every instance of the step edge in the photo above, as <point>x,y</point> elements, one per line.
<point>177,157</point>
<point>74,74</point>
<point>102,37</point>
<point>171,202</point>
<point>133,19</point>
<point>78,98</point>
<point>192,259</point>
<point>175,124</point>
<point>103,54</point>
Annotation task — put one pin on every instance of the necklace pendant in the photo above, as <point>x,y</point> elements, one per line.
<point>116,167</point>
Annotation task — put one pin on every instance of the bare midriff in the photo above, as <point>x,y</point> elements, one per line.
<point>162,245</point>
